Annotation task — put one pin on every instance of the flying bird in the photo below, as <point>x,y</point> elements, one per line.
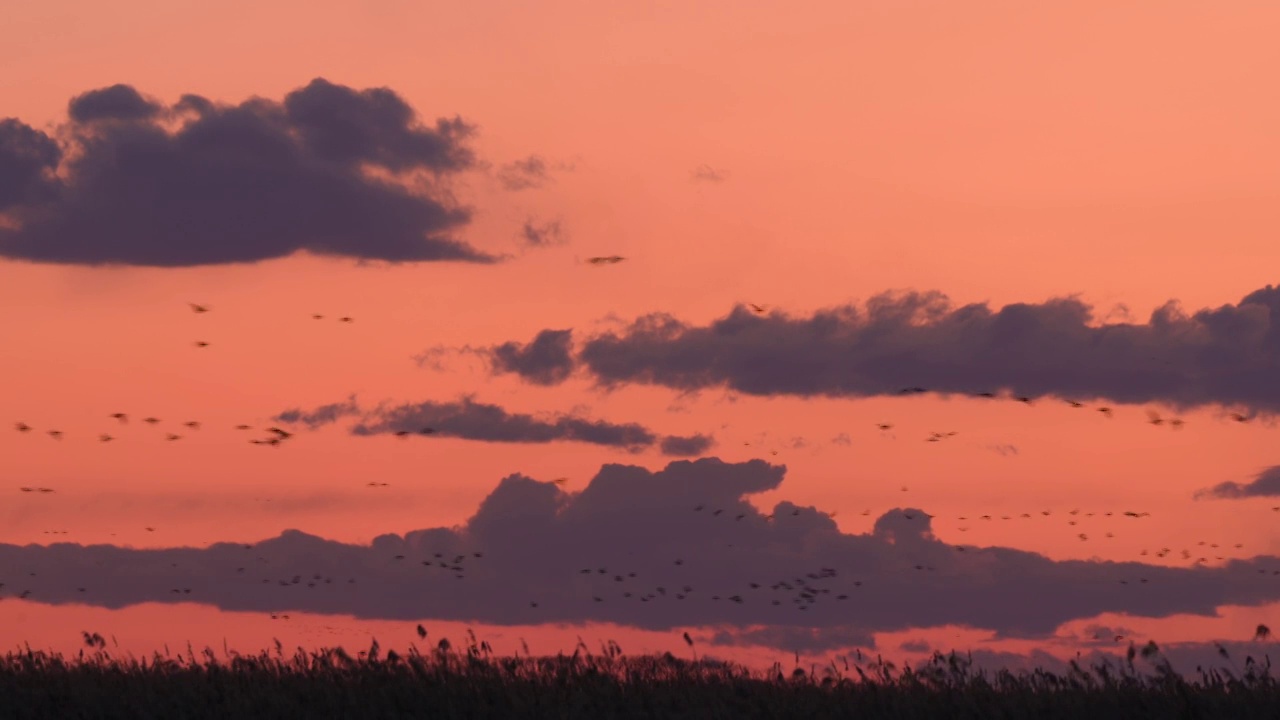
<point>55,434</point>
<point>105,438</point>
<point>201,344</point>
<point>150,420</point>
<point>345,319</point>
<point>122,417</point>
<point>198,308</point>
<point>22,427</point>
<point>758,309</point>
<point>193,424</point>
<point>606,260</point>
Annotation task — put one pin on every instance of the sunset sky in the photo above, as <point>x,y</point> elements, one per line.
<point>819,206</point>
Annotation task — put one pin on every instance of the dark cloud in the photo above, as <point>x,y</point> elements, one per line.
<point>678,446</point>
<point>706,173</point>
<point>330,170</point>
<point>28,159</point>
<point>545,361</point>
<point>1264,484</point>
<point>531,172</point>
<point>542,234</point>
<point>1229,355</point>
<point>666,564</point>
<point>118,102</point>
<point>471,420</point>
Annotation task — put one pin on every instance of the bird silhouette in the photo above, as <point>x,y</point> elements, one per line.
<point>345,319</point>
<point>193,424</point>
<point>201,344</point>
<point>122,417</point>
<point>55,434</point>
<point>198,308</point>
<point>105,438</point>
<point>22,427</point>
<point>756,309</point>
<point>606,260</point>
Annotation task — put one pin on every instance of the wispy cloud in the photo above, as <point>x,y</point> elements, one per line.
<point>1264,484</point>
<point>471,420</point>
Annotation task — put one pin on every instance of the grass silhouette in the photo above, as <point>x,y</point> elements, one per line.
<point>471,681</point>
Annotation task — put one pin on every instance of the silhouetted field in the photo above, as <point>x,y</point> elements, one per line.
<point>472,682</point>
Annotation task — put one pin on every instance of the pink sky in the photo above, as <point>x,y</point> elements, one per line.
<point>996,152</point>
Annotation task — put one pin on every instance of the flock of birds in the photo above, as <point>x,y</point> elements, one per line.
<point>801,590</point>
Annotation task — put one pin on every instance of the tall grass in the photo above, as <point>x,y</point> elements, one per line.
<point>472,682</point>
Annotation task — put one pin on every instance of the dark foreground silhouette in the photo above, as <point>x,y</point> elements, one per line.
<point>470,682</point>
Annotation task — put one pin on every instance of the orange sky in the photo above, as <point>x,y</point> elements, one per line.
<point>997,152</point>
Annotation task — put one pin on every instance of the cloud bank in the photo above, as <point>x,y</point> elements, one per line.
<point>1264,484</point>
<point>677,547</point>
<point>1228,356</point>
<point>329,169</point>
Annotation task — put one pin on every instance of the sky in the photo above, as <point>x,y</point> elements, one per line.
<point>935,326</point>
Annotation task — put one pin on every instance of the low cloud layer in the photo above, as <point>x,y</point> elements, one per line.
<point>1229,355</point>
<point>678,547</point>
<point>471,420</point>
<point>1264,484</point>
<point>329,169</point>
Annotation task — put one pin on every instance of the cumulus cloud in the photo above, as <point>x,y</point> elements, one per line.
<point>1264,484</point>
<point>545,361</point>
<point>329,169</point>
<point>677,547</point>
<point>471,420</point>
<point>1229,355</point>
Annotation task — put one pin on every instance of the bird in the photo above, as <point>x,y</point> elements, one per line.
<point>317,316</point>
<point>422,632</point>
<point>1262,633</point>
<point>198,308</point>
<point>1105,411</point>
<point>105,438</point>
<point>1239,418</point>
<point>282,434</point>
<point>345,319</point>
<point>1075,404</point>
<point>150,420</point>
<point>606,260</point>
<point>22,427</point>
<point>885,426</point>
<point>402,433</point>
<point>756,309</point>
<point>171,436</point>
<point>55,434</point>
<point>244,427</point>
<point>193,424</point>
<point>122,417</point>
<point>201,344</point>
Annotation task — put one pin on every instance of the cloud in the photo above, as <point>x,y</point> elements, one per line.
<point>687,446</point>
<point>1264,484</point>
<point>706,173</point>
<point>542,234</point>
<point>470,420</point>
<point>677,547</point>
<point>28,159</point>
<point>530,172</point>
<point>545,361</point>
<point>1229,355</point>
<point>329,169</point>
<point>322,415</point>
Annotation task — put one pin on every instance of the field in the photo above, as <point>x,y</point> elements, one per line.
<point>469,682</point>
